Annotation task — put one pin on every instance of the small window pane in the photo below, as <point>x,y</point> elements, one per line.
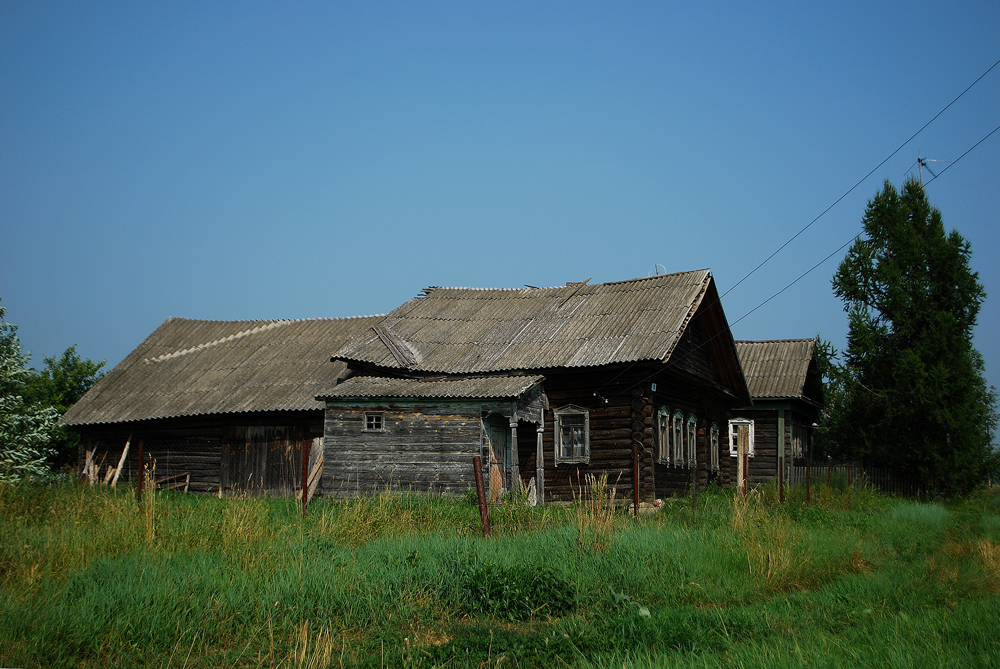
<point>373,421</point>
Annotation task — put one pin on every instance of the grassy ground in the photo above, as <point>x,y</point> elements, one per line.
<point>88,577</point>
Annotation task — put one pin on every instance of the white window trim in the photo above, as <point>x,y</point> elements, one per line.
<point>732,436</point>
<point>692,442</point>
<point>571,410</point>
<point>714,446</point>
<point>663,435</point>
<point>364,421</point>
<point>677,437</point>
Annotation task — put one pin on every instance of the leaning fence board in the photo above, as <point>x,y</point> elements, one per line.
<point>121,462</point>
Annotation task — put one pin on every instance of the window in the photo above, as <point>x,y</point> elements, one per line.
<point>572,434</point>
<point>663,435</point>
<point>692,441</point>
<point>677,436</point>
<point>713,446</point>
<point>734,431</point>
<point>373,422</point>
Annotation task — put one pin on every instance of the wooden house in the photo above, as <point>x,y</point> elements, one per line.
<point>636,379</point>
<point>218,406</point>
<point>787,394</point>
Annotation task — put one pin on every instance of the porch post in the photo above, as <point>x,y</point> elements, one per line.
<point>513,471</point>
<point>539,464</point>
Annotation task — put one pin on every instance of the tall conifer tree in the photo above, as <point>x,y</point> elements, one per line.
<point>914,394</point>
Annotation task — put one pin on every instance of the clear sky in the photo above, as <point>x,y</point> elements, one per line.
<point>296,160</point>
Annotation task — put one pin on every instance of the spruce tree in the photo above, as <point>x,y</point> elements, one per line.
<point>914,395</point>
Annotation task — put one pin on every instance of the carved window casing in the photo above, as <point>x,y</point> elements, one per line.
<point>572,434</point>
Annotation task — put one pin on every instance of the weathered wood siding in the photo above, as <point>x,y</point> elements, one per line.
<point>622,408</point>
<point>422,447</point>
<point>267,452</point>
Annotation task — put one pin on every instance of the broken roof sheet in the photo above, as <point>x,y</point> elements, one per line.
<point>468,330</point>
<point>193,367</point>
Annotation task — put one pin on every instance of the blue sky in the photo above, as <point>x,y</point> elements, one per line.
<point>296,160</point>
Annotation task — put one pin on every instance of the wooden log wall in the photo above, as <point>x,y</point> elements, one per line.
<point>628,416</point>
<point>422,447</point>
<point>195,445</point>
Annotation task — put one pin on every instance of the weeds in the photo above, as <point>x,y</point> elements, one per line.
<point>89,577</point>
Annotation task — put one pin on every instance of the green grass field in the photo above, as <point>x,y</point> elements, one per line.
<point>91,578</point>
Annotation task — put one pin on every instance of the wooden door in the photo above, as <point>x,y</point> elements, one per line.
<point>498,435</point>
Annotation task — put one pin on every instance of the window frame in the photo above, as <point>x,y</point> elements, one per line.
<point>733,423</point>
<point>373,415</point>
<point>691,437</point>
<point>713,440</point>
<point>559,414</point>
<point>677,436</point>
<point>663,431</point>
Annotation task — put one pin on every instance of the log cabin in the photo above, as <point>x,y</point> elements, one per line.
<point>633,379</point>
<point>787,394</point>
<point>218,406</point>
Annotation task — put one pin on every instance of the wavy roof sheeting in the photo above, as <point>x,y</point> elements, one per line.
<point>193,367</point>
<point>776,368</point>
<point>469,331</point>
<point>493,387</point>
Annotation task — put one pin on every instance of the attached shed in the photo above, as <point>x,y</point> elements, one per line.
<point>422,434</point>
<point>787,397</point>
<point>640,377</point>
<point>224,406</point>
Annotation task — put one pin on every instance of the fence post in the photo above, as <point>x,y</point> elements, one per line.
<point>306,443</point>
<point>808,477</point>
<point>142,475</point>
<point>781,480</point>
<point>484,514</point>
<point>829,467</point>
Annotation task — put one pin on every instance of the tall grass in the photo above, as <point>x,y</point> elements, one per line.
<point>88,577</point>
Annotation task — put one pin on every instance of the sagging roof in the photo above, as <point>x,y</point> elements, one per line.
<point>778,368</point>
<point>495,387</point>
<point>195,367</point>
<point>469,331</point>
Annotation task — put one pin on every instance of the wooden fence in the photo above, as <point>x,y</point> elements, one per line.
<point>845,474</point>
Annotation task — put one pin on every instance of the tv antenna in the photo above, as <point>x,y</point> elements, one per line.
<point>656,269</point>
<point>922,165</point>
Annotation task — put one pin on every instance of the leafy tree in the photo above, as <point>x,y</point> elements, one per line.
<point>61,383</point>
<point>913,396</point>
<point>25,429</point>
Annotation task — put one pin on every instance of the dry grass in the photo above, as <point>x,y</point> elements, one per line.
<point>596,516</point>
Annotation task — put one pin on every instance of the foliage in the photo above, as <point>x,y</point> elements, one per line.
<point>25,429</point>
<point>60,384</point>
<point>912,392</point>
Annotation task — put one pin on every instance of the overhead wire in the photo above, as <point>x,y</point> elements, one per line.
<point>811,269</point>
<point>862,180</point>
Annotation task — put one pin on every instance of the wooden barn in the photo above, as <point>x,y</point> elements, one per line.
<point>216,406</point>
<point>636,379</point>
<point>787,394</point>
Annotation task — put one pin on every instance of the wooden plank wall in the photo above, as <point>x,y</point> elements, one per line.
<point>197,445</point>
<point>198,456</point>
<point>423,447</point>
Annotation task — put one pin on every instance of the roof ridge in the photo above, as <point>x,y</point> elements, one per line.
<point>772,341</point>
<point>273,320</point>
<point>429,289</point>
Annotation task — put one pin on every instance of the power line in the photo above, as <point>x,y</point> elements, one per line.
<point>789,285</point>
<point>821,214</point>
<point>863,179</point>
<point>964,154</point>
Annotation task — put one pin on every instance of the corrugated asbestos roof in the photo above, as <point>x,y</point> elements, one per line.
<point>496,387</point>
<point>776,368</point>
<point>193,367</point>
<point>468,331</point>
